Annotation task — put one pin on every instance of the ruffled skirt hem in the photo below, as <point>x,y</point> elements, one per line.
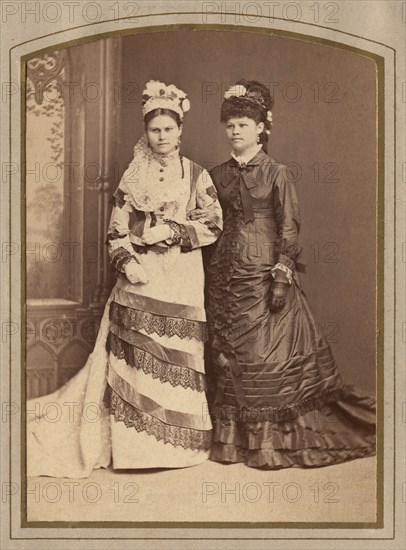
<point>270,459</point>
<point>334,431</point>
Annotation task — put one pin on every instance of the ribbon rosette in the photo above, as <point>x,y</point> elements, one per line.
<point>156,89</point>
<point>269,119</point>
<point>185,104</point>
<point>235,91</point>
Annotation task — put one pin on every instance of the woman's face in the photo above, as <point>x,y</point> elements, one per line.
<point>163,134</point>
<point>243,133</point>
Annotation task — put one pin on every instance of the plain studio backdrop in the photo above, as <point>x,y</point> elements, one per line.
<point>324,125</point>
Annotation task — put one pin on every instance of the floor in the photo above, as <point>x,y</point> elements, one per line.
<point>210,492</point>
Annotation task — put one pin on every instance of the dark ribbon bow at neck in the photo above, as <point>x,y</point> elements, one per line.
<point>247,182</point>
<point>246,174</point>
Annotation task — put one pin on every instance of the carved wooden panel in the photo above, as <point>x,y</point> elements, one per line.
<point>59,340</point>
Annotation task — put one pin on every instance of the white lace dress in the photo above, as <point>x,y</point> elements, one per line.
<point>140,399</point>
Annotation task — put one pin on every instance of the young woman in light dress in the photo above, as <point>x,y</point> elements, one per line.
<point>140,399</point>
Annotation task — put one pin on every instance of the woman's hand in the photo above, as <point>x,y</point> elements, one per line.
<point>135,273</point>
<point>196,214</point>
<point>156,234</point>
<point>279,295</point>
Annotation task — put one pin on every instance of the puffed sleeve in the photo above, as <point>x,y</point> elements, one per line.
<point>197,233</point>
<point>288,217</point>
<point>120,247</point>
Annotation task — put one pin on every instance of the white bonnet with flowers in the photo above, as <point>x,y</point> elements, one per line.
<point>238,90</point>
<point>158,95</point>
<point>136,186</point>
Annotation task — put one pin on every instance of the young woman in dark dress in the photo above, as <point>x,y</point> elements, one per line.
<point>278,399</point>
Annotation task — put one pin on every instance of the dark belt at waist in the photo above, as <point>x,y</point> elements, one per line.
<point>262,204</point>
<point>264,212</point>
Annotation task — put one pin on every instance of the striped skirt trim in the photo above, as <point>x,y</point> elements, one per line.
<point>158,307</point>
<point>141,415</point>
<point>165,354</point>
<point>138,358</point>
<point>137,319</point>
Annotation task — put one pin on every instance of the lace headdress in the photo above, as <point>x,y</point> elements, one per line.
<point>138,190</point>
<point>158,95</point>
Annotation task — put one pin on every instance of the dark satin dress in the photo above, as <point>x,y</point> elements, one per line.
<point>276,397</point>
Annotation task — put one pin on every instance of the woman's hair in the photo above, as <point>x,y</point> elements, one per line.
<point>254,105</point>
<point>157,112</point>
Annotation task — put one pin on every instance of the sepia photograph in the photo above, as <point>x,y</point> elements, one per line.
<point>201,289</point>
<point>203,275</point>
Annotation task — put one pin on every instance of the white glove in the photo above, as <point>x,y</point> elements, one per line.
<point>156,234</point>
<point>135,273</point>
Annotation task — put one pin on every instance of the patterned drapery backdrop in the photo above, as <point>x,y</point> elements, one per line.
<point>45,174</point>
<point>70,148</point>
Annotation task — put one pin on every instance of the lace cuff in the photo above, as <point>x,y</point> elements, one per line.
<point>287,261</point>
<point>122,258</point>
<point>180,235</point>
<point>286,270</point>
